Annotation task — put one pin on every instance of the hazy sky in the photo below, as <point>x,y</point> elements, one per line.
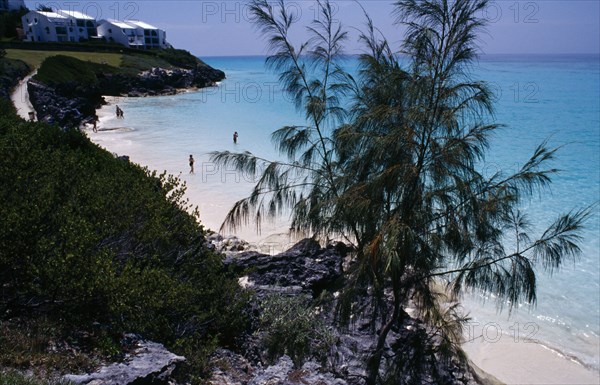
<point>212,28</point>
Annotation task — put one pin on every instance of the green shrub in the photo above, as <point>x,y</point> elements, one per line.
<point>179,57</point>
<point>290,325</point>
<point>12,377</point>
<point>66,69</point>
<point>87,239</point>
<point>7,108</point>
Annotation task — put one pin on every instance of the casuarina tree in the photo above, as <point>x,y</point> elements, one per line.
<point>399,174</point>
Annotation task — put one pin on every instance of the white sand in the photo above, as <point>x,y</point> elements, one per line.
<point>527,363</point>
<point>20,98</point>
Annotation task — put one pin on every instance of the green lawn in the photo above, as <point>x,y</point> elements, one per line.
<point>130,63</point>
<point>35,58</point>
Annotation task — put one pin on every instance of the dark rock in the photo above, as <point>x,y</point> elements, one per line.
<point>306,266</point>
<point>62,105</point>
<point>149,363</point>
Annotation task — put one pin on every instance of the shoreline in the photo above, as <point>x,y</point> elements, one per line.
<point>20,98</point>
<point>272,239</point>
<point>509,362</point>
<point>528,362</point>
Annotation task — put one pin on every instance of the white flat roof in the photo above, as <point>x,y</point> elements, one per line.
<point>121,24</point>
<point>140,24</point>
<point>76,14</point>
<point>52,15</point>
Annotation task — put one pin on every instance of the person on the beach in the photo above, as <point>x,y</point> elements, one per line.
<point>94,124</point>
<point>235,136</point>
<point>118,112</point>
<point>191,164</point>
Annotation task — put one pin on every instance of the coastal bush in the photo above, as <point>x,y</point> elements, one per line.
<point>12,377</point>
<point>7,109</point>
<point>179,58</point>
<point>97,244</point>
<point>292,326</point>
<point>61,69</point>
<point>11,71</point>
<point>9,22</point>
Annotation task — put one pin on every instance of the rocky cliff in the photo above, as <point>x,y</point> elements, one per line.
<point>73,102</point>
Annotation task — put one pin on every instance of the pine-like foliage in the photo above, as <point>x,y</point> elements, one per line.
<point>399,173</point>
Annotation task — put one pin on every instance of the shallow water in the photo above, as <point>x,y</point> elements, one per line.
<point>539,98</point>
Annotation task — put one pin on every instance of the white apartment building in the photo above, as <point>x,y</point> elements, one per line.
<point>61,26</point>
<point>133,34</point>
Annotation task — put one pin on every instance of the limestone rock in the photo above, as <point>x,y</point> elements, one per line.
<point>305,266</point>
<point>150,363</point>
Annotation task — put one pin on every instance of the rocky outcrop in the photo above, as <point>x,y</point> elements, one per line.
<point>149,363</point>
<point>71,104</point>
<point>308,269</point>
<point>232,369</point>
<point>159,81</point>
<point>65,108</point>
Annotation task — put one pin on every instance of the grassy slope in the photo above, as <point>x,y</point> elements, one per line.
<point>35,58</point>
<point>130,62</point>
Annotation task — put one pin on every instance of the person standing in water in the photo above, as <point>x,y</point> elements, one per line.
<point>235,136</point>
<point>191,164</point>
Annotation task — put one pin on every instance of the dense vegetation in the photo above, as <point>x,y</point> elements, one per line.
<point>61,69</point>
<point>9,22</point>
<point>11,71</point>
<point>92,246</point>
<point>391,161</point>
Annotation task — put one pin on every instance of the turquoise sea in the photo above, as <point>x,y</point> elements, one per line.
<point>554,98</point>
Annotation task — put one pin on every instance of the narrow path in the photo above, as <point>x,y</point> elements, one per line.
<point>20,97</point>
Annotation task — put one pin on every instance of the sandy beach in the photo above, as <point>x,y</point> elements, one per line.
<point>527,362</point>
<point>20,98</point>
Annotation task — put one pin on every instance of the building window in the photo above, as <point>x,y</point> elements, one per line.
<point>80,23</point>
<point>110,30</point>
<point>61,30</point>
